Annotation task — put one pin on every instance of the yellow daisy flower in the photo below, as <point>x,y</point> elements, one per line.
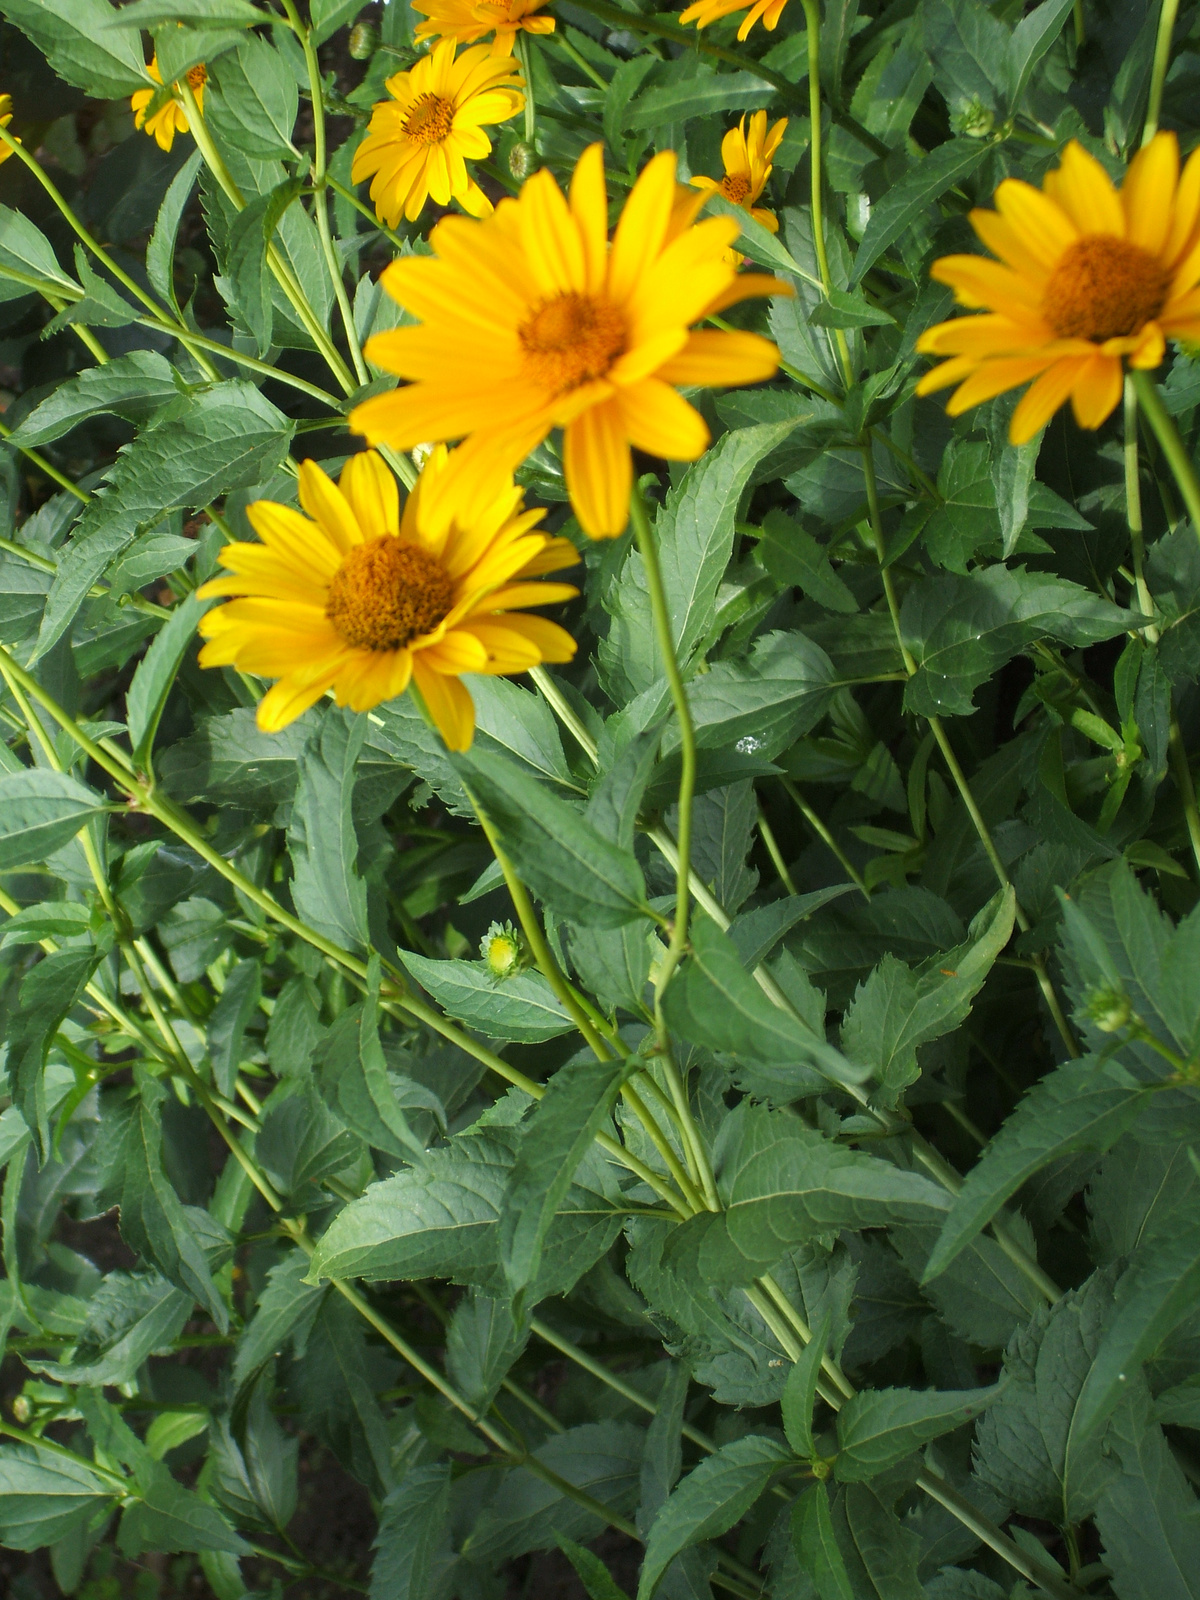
<point>6,116</point>
<point>1088,277</point>
<point>705,11</point>
<point>469,20</point>
<point>170,118</point>
<point>418,140</point>
<point>532,321</point>
<point>363,599</point>
<point>747,161</point>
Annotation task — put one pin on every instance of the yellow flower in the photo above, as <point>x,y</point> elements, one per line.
<point>531,321</point>
<point>417,140</point>
<point>6,116</point>
<point>705,11</point>
<point>748,166</point>
<point>469,20</point>
<point>363,599</point>
<point>1087,278</point>
<point>170,118</point>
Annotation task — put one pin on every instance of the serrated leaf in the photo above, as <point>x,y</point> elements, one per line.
<point>1148,1517</point>
<point>412,1526</point>
<point>129,1317</point>
<point>877,1428</point>
<point>800,1391</point>
<point>1082,1105</point>
<point>284,1313</point>
<point>326,887</point>
<point>523,1008</point>
<point>763,704</point>
<point>146,697</point>
<point>258,98</point>
<point>926,180</point>
<point>171,1518</point>
<point>557,852</point>
<point>160,251</point>
<point>1032,37</point>
<point>44,1496</point>
<point>575,1107</point>
<point>133,387</point>
<point>817,1547</point>
<point>702,93</point>
<point>708,1502</point>
<point>40,811</point>
<point>25,249</point>
<point>87,42</point>
<point>46,995</point>
<point>229,1019</point>
<point>593,1574</point>
<point>482,1343</point>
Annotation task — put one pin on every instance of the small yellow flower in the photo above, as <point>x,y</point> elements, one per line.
<point>531,320</point>
<point>469,20</point>
<point>747,159</point>
<point>6,116</point>
<point>418,141</point>
<point>1088,278</point>
<point>502,950</point>
<point>362,599</point>
<point>170,118</point>
<point>705,11</point>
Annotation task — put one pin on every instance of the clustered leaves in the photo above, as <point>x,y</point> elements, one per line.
<point>388,1127</point>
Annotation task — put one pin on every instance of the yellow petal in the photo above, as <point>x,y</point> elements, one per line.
<point>449,704</point>
<point>1148,192</point>
<point>370,490</point>
<point>599,471</point>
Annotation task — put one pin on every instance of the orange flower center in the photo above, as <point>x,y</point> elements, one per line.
<point>387,592</point>
<point>430,119</point>
<point>197,76</point>
<point>735,186</point>
<point>572,339</point>
<point>1104,288</point>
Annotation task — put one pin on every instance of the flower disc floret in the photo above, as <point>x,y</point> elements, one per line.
<point>1089,278</point>
<point>533,320</point>
<point>362,598</point>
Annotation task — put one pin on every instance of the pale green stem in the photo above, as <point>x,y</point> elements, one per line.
<point>812,21</point>
<point>776,855</point>
<point>1133,509</point>
<point>687,735</point>
<point>1158,72</point>
<point>826,837</point>
<point>523,56</point>
<point>1172,445</point>
<point>51,472</point>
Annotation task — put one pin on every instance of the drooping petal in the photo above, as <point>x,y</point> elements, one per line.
<point>599,470</point>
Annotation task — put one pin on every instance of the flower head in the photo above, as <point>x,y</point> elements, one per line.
<point>6,116</point>
<point>361,598</point>
<point>502,949</point>
<point>1088,277</point>
<point>418,141</point>
<point>705,11</point>
<point>170,118</point>
<point>531,320</point>
<point>469,20</point>
<point>747,159</point>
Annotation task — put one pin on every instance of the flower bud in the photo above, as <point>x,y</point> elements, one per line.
<point>1109,1010</point>
<point>522,160</point>
<point>364,40</point>
<point>501,950</point>
<point>973,119</point>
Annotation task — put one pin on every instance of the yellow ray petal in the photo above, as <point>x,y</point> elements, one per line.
<point>449,704</point>
<point>1148,192</point>
<point>555,644</point>
<point>1085,193</point>
<point>643,225</point>
<point>1097,390</point>
<point>599,470</point>
<point>1043,398</point>
<point>659,420</point>
<point>328,506</point>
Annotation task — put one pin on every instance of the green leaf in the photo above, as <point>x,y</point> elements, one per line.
<point>925,180</point>
<point>754,934</point>
<point>662,1458</point>
<point>962,629</point>
<point>1148,1517</point>
<point>102,306</point>
<point>46,995</point>
<point>886,1551</point>
<point>129,1318</point>
<point>800,1392</point>
<point>715,1002</point>
<point>258,97</point>
<point>26,250</point>
<point>708,1502</point>
<point>153,1220</point>
<point>481,1345</point>
<point>593,1574</point>
<point>228,761</point>
<point>329,15</point>
<point>841,310</point>
<point>52,919</point>
<point>150,13</point>
<point>87,42</point>
<point>334,1387</point>
<point>1154,1296</point>
<point>1082,1105</point>
<point>229,1019</point>
<point>40,811</point>
<point>694,535</point>
<point>761,705</point>
<point>703,93</point>
<point>171,1518</point>
<point>284,1313</point>
<point>412,1527</point>
<point>523,1008</point>
<point>877,1428</point>
<point>793,557</point>
<point>896,1010</point>
<point>1032,37</point>
<point>146,697</point>
<point>133,387</point>
<point>577,1104</point>
<point>198,447</point>
<point>817,1547</point>
<point>557,852</point>
<point>326,887</point>
<point>302,1142</point>
<point>44,1495</point>
<point>160,251</point>
<point>247,274</point>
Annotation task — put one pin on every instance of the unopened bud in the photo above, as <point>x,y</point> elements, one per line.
<point>364,40</point>
<point>974,119</point>
<point>522,160</point>
<point>1109,1010</point>
<point>501,950</point>
<point>22,1408</point>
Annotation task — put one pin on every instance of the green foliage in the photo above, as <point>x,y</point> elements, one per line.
<point>846,1248</point>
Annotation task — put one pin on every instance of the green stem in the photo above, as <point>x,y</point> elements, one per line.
<point>826,837</point>
<point>352,199</point>
<point>1158,72</point>
<point>50,471</point>
<point>812,23</point>
<point>1187,789</point>
<point>568,49</point>
<point>776,855</point>
<point>687,734</point>
<point>523,56</point>
<point>1172,445</point>
<point>1133,509</point>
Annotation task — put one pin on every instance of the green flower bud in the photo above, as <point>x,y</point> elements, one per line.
<point>364,40</point>
<point>973,119</point>
<point>502,950</point>
<point>1109,1010</point>
<point>522,160</point>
